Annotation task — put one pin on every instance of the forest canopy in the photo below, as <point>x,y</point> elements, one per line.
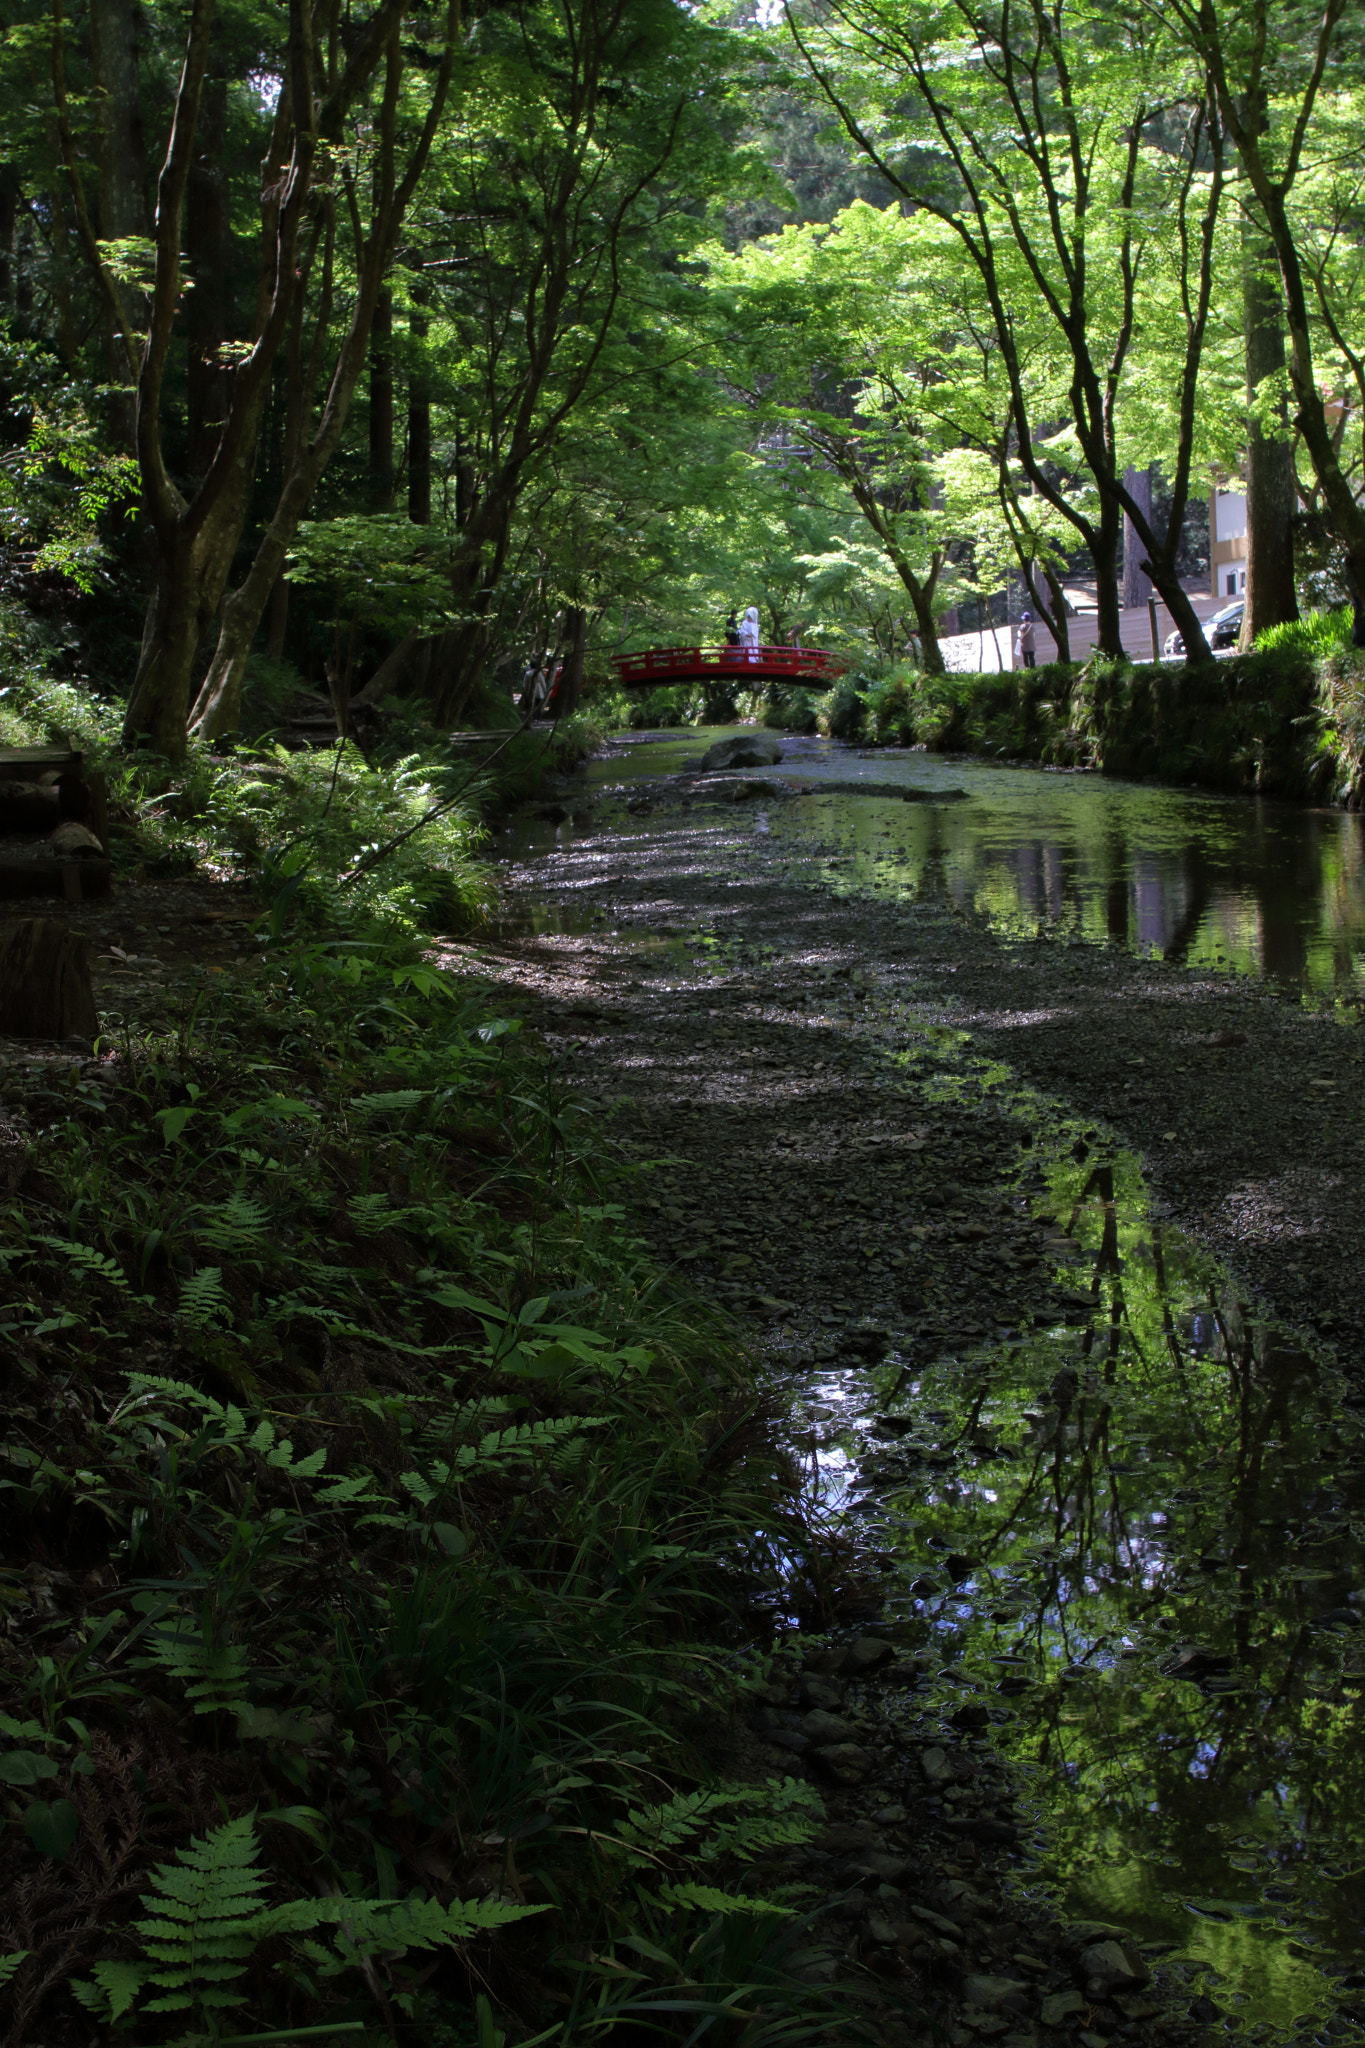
<point>387,351</point>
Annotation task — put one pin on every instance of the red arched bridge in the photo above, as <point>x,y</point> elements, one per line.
<point>659,665</point>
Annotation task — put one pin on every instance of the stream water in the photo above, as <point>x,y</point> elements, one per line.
<point>1135,1540</point>
<point>1237,883</point>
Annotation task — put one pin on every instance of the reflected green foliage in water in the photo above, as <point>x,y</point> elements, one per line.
<point>1235,884</point>
<point>1142,1552</point>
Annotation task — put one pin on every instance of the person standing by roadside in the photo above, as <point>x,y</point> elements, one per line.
<point>1023,642</point>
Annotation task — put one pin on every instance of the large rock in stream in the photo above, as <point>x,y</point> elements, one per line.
<point>745,750</point>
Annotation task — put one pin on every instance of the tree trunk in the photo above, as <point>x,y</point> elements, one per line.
<point>120,156</point>
<point>9,214</point>
<point>419,431</point>
<point>45,989</point>
<point>1050,609</point>
<point>931,654</point>
<point>1108,605</point>
<point>457,663</point>
<point>571,681</point>
<point>1137,584</point>
<point>277,618</point>
<point>381,405</point>
<point>158,705</point>
<point>208,249</point>
<point>1271,599</point>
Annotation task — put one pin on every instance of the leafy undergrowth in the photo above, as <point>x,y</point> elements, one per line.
<point>379,1529</point>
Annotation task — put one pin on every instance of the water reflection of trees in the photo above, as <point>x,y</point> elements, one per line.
<point>1273,889</point>
<point>1136,1500</point>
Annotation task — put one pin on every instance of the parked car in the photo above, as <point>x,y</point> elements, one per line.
<point>1220,631</point>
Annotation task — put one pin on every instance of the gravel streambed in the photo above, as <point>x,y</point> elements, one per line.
<point>840,1105</point>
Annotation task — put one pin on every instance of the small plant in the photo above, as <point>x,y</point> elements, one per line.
<point>206,1917</point>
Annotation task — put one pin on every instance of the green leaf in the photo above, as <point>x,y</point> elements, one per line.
<point>453,1541</point>
<point>52,1829</point>
<point>705,1898</point>
<point>173,1121</point>
<point>10,1963</point>
<point>23,1767</point>
<point>120,1983</point>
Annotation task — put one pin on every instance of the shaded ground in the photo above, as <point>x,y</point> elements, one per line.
<point>789,1049</point>
<point>150,935</point>
<point>836,1099</point>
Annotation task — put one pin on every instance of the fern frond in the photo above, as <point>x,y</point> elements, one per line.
<point>372,1213</point>
<point>10,1963</point>
<point>203,1921</point>
<point>213,1674</point>
<point>240,1225</point>
<point>706,1898</point>
<point>733,1820</point>
<point>202,1297</point>
<point>395,1098</point>
<point>86,1259</point>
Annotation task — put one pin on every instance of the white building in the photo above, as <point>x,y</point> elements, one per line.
<point>1227,544</point>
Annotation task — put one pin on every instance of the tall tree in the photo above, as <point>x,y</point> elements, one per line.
<point>549,236</point>
<point>1272,64</point>
<point>1062,148</point>
<point>346,92</point>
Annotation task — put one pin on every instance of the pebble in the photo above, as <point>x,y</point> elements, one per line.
<point>846,1762</point>
<point>989,1991</point>
<point>1112,1966</point>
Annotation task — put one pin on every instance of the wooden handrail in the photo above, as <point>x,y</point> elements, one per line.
<point>657,664</point>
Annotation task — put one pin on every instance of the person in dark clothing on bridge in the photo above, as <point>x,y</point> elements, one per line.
<point>732,630</point>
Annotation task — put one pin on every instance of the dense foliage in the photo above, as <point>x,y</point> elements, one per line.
<point>406,348</point>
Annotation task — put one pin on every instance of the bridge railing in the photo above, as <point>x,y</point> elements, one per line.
<point>658,664</point>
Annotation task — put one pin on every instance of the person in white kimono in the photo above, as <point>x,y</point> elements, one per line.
<point>748,632</point>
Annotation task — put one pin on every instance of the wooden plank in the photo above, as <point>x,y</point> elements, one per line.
<point>99,807</point>
<point>48,875</point>
<point>40,757</point>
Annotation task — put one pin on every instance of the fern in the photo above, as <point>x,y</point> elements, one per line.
<point>280,1456</point>
<point>705,1898</point>
<point>206,1916</point>
<point>202,1297</point>
<point>86,1259</point>
<point>732,1820</point>
<point>495,1449</point>
<point>241,1225</point>
<point>372,1213</point>
<point>204,1921</point>
<point>396,1098</point>
<point>10,1963</point>
<point>213,1674</point>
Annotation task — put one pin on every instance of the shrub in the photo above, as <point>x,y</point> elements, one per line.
<point>844,708</point>
<point>792,711</point>
<point>1316,633</point>
<point>663,707</point>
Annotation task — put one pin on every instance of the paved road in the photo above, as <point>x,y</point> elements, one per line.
<point>991,651</point>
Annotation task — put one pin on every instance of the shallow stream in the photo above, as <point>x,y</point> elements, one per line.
<point>1238,883</point>
<point>1137,1540</point>
<point>1134,1539</point>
